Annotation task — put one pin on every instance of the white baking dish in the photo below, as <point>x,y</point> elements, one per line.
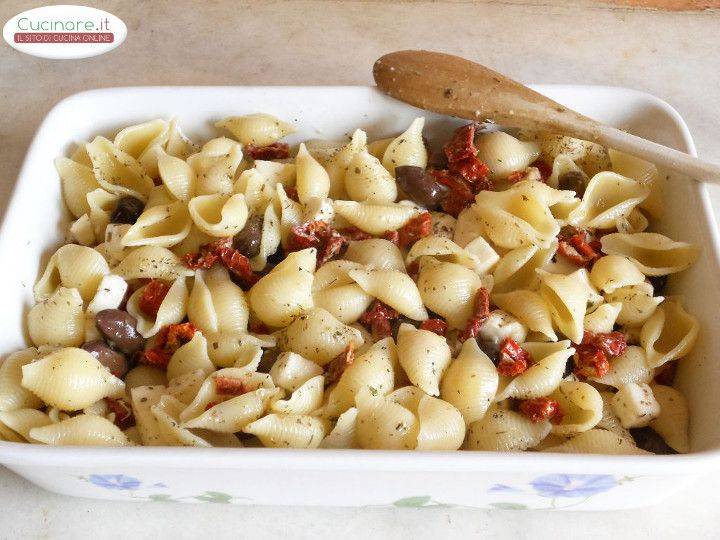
<point>32,229</point>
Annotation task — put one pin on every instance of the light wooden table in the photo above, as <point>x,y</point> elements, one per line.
<point>672,55</point>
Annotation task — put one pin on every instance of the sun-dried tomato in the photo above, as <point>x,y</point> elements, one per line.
<point>152,296</point>
<point>579,248</point>
<point>124,417</point>
<point>416,228</point>
<point>222,251</point>
<point>276,150</point>
<point>541,409</point>
<point>168,340</point>
<point>317,234</point>
<point>413,270</point>
<point>512,358</point>
<point>460,195</point>
<point>231,386</point>
<point>392,236</point>
<point>353,233</point>
<point>516,176</point>
<point>437,326</point>
<point>337,366</point>
<point>544,167</point>
<point>202,259</point>
<point>590,361</point>
<point>665,374</point>
<point>292,193</point>
<point>611,343</point>
<point>481,311</point>
<point>378,319</point>
<point>462,156</point>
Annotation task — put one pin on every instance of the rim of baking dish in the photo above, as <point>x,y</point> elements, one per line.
<point>24,454</point>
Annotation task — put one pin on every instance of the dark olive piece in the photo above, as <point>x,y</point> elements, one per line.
<point>649,440</point>
<point>420,186</point>
<point>116,363</point>
<point>247,241</point>
<point>128,210</point>
<point>269,356</point>
<point>573,180</point>
<point>659,284</point>
<point>119,329</point>
<point>490,348</point>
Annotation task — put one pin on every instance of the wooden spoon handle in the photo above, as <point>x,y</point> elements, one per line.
<point>454,86</point>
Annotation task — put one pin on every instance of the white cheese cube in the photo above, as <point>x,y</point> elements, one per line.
<point>82,232</point>
<point>109,295</point>
<point>500,325</point>
<point>635,405</point>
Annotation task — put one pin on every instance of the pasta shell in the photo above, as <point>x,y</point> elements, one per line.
<point>216,304</point>
<point>152,262</point>
<point>228,350</point>
<point>345,302</point>
<point>177,176</point>
<point>470,382</point>
<point>290,371</point>
<point>614,271</point>
<point>277,173</point>
<point>70,379</point>
<point>448,289</point>
<point>312,179</point>
<point>304,400</point>
<point>318,336</point>
<point>270,239</point>
<point>408,148</point>
<point>76,180</point>
<point>529,308</point>
<point>134,140</point>
<point>166,412</point>
<point>367,180</point>
<point>116,171</point>
<point>634,222</point>
<point>185,387</point>
<point>144,375</point>
<point>373,218</point>
<point>443,225</point>
<point>670,333</point>
<point>597,441</point>
<point>602,320</point>
<point>219,215</point>
<point>653,253</point>
<point>234,414</point>
<point>339,162</point>
<point>377,148</point>
<point>608,197</point>
<point>637,303</point>
<point>164,225</point>
<point>630,367</point>
<point>81,430</point>
<point>441,426</point>
<point>445,249</point>
<point>172,310</point>
<point>517,268</point>
<point>590,156</point>
<point>382,424</point>
<point>567,298</point>
<point>101,204</point>
<point>178,144</point>
<point>143,399</point>
<point>504,430</point>
<point>376,253</point>
<point>190,357</point>
<point>12,394</point>
<point>468,227</point>
<point>59,320</point>
<point>286,292</point>
<point>646,174</point>
<point>503,153</point>
<point>73,267</point>
<point>671,425</point>
<point>396,289</point>
<point>582,406</point>
<point>424,356</point>
<point>258,129</point>
<point>288,431</point>
<point>542,377</point>
<point>343,434</point>
<point>21,421</point>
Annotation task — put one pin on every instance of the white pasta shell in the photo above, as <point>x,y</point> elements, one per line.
<point>345,302</point>
<point>216,304</point>
<point>216,165</point>
<point>339,162</point>
<point>567,298</point>
<point>383,424</point>
<point>408,148</point>
<point>312,180</point>
<point>630,367</point>
<point>259,129</point>
<point>670,333</point>
<point>608,197</point>
<point>77,180</point>
<point>542,377</point>
<point>672,424</point>
<point>644,172</point>
<point>318,336</point>
<point>470,382</point>
<point>73,267</point>
<point>614,271</point>
<point>517,268</point>
<point>653,253</point>
<point>597,441</point>
<point>234,414</point>
<point>375,218</point>
<point>101,204</point>
<point>219,215</point>
<point>304,400</point>
<point>505,430</point>
<point>185,387</point>
<point>602,320</point>
<point>637,303</point>
<point>367,180</point>
<point>445,249</point>
<point>12,395</point>
<point>581,405</point>
<point>133,140</point>
<point>343,434</point>
<point>177,176</point>
<point>172,310</point>
<point>59,320</point>
<point>81,430</point>
<point>270,239</point>
<point>529,308</point>
<point>226,349</point>
<point>291,370</point>
<point>143,399</point>
<point>70,379</point>
<point>190,357</point>
<point>21,421</point>
<point>166,412</point>
<point>448,289</point>
<point>442,427</point>
<point>288,431</point>
<point>117,171</point>
<point>424,356</point>
<point>394,288</point>
<point>164,225</point>
<point>152,262</point>
<point>468,227</point>
<point>276,173</point>
<point>503,153</point>
<point>375,253</point>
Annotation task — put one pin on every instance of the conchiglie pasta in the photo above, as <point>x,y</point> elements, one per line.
<point>215,166</point>
<point>445,249</point>
<point>503,153</point>
<point>291,370</point>
<point>288,431</point>
<point>448,289</point>
<point>172,309</point>
<point>258,129</point>
<point>630,367</point>
<point>567,298</point>
<point>603,319</point>
<point>653,253</point>
<point>637,303</point>
<point>177,176</point>
<point>367,180</point>
<point>517,268</point>
<point>164,225</point>
<point>505,430</point>
<point>70,379</point>
<point>441,426</point>
<point>190,357</point>
<point>77,180</point>
<point>375,218</point>
<point>394,288</point>
<point>13,395</point>
<point>270,239</point>
<point>424,356</point>
<point>336,292</point>
<point>343,434</point>
<point>312,180</point>
<point>542,377</point>
<point>376,253</point>
<point>646,174</point>
<point>339,162</point>
<point>607,198</point>
<point>73,267</point>
<point>152,262</point>
<point>306,399</point>
<point>529,308</point>
<point>672,424</point>
<point>81,430</point>
<point>670,333</point>
<point>383,424</point>
<point>234,414</point>
<point>219,215</point>
<point>408,148</point>
<point>166,412</point>
<point>59,320</point>
<point>597,441</point>
<point>22,421</point>
<point>216,304</point>
<point>116,171</point>
<point>614,271</point>
<point>581,405</point>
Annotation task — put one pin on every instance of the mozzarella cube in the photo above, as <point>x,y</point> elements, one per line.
<point>109,294</point>
<point>635,405</point>
<point>500,325</point>
<point>82,232</point>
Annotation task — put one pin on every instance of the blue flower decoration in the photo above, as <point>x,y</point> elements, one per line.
<point>503,488</point>
<point>572,485</point>
<point>115,481</point>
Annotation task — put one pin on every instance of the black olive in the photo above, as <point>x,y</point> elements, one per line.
<point>420,186</point>
<point>569,366</point>
<point>649,440</point>
<point>402,319</point>
<point>120,330</point>
<point>573,180</point>
<point>128,210</point>
<point>659,284</point>
<point>269,356</point>
<point>491,349</point>
<point>247,241</point>
<point>116,363</point>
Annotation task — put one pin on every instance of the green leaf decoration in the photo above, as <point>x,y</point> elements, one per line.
<point>161,497</point>
<point>509,506</point>
<point>413,502</point>
<point>214,497</point>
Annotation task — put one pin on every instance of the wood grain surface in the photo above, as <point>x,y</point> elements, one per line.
<point>670,5</point>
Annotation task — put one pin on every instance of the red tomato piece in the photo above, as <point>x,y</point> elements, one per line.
<point>437,326</point>
<point>512,358</point>
<point>276,150</point>
<point>481,311</point>
<point>231,386</point>
<point>337,366</point>
<point>416,228</point>
<point>543,408</point>
<point>152,296</point>
<point>590,361</point>
<point>378,319</point>
<point>124,417</point>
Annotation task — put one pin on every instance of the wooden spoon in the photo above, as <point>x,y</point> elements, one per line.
<point>451,85</point>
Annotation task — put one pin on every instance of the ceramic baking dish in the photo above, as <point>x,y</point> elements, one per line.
<point>34,223</point>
